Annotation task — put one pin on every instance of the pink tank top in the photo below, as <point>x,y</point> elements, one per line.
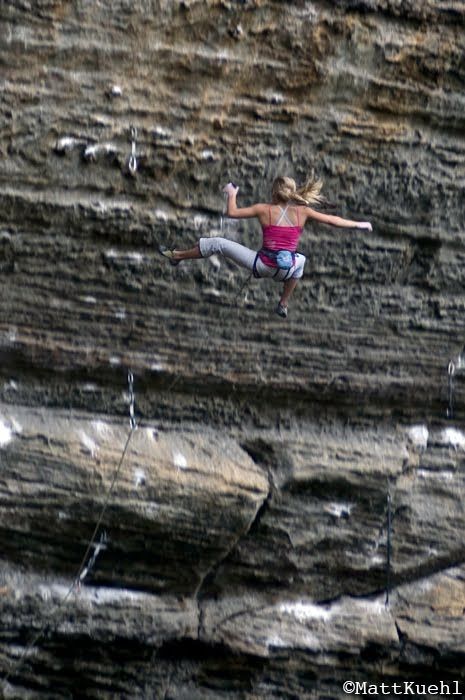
<point>277,237</point>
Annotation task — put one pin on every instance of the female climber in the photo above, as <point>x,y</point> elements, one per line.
<point>282,222</point>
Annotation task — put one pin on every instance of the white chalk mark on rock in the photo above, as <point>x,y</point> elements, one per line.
<point>90,445</point>
<point>339,510</point>
<point>179,460</point>
<point>453,437</point>
<point>418,436</point>
<point>139,477</point>
<point>5,434</point>
<point>305,611</point>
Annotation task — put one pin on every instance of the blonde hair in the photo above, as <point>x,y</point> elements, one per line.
<point>285,190</point>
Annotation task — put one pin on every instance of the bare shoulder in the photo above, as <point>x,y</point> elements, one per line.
<point>309,213</point>
<point>304,213</point>
<point>262,211</point>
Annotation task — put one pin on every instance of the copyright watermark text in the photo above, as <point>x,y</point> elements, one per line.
<point>404,688</point>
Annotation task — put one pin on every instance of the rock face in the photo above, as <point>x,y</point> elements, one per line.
<point>284,474</point>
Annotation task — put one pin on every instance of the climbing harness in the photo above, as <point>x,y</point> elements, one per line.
<point>132,163</point>
<point>284,259</point>
<point>86,563</point>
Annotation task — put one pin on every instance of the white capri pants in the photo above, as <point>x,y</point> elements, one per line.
<point>246,258</point>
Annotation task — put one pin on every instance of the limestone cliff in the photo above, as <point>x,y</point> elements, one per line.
<point>244,548</point>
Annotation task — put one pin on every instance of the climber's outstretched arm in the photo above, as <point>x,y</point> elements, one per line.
<point>338,221</point>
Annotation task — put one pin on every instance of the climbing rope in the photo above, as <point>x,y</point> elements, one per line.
<point>388,544</point>
<point>86,563</point>
<point>132,400</point>
<point>450,398</point>
<point>243,286</point>
<point>98,547</point>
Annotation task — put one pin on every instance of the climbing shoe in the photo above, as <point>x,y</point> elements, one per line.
<point>167,253</point>
<point>281,310</point>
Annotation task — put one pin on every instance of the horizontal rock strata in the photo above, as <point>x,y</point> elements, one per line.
<point>284,476</point>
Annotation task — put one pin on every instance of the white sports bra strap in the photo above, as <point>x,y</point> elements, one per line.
<point>284,216</point>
